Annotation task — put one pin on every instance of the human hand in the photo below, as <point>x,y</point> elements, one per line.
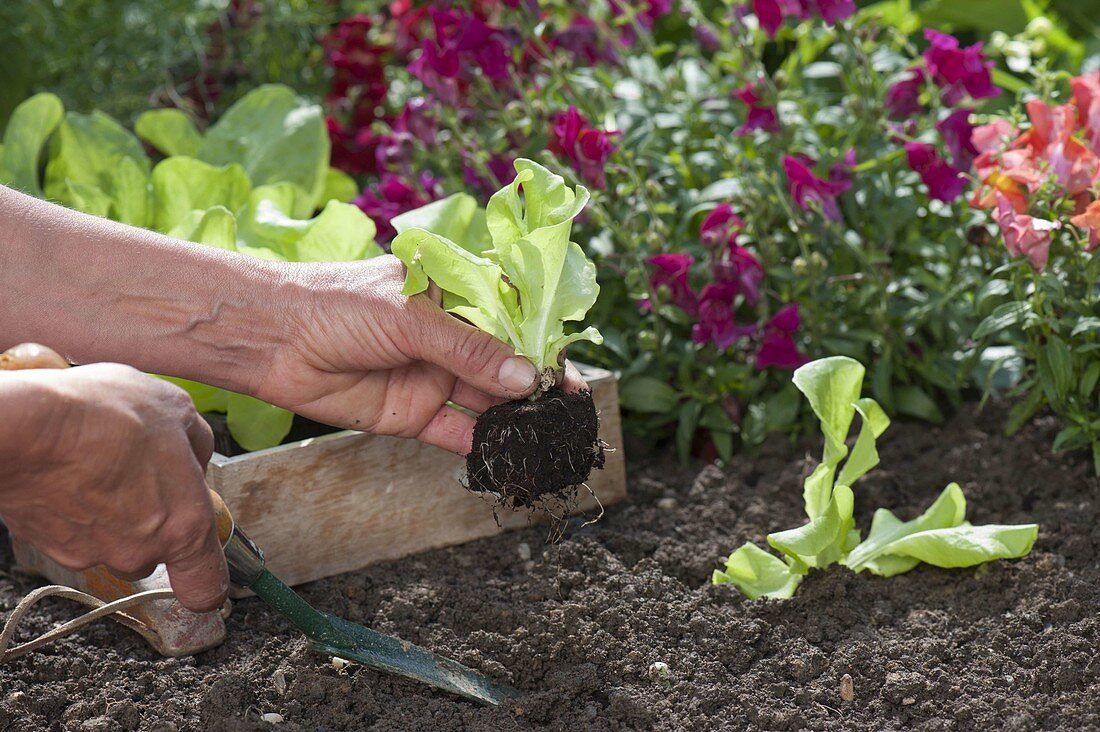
<point>104,465</point>
<point>358,354</point>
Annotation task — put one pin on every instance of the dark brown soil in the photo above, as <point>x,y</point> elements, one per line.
<point>527,451</point>
<point>578,626</point>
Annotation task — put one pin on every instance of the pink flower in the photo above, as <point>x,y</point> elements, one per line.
<point>993,136</point>
<point>586,147</point>
<point>393,196</point>
<point>778,347</point>
<point>760,116</point>
<point>501,173</point>
<point>960,71</point>
<point>716,322</point>
<point>1089,219</point>
<point>805,186</point>
<point>352,152</point>
<point>721,226</point>
<point>958,134</point>
<point>1086,91</point>
<point>944,182</point>
<point>584,42</point>
<point>1025,236</point>
<point>672,273</point>
<point>903,97</point>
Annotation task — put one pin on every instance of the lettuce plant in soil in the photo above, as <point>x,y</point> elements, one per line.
<point>512,271</point>
<point>256,182</point>
<point>940,536</point>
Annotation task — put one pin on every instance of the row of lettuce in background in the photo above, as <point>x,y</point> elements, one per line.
<point>257,182</point>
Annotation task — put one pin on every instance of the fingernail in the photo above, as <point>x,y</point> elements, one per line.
<point>517,374</point>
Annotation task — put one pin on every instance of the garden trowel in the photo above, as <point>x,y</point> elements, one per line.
<point>338,637</point>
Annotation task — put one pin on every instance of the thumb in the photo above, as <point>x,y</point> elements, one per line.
<point>199,576</point>
<point>475,357</point>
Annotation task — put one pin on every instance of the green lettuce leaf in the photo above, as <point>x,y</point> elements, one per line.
<point>182,185</point>
<point>339,186</point>
<point>216,227</point>
<point>457,218</point>
<point>826,539</point>
<point>758,574</point>
<point>276,136</point>
<point>528,283</point>
<point>256,425</point>
<point>170,131</point>
<point>341,232</point>
<point>25,137</point>
<point>939,536</point>
<point>89,149</point>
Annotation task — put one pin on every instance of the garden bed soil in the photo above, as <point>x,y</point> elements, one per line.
<point>577,626</point>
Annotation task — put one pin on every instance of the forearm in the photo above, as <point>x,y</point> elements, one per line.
<point>96,290</point>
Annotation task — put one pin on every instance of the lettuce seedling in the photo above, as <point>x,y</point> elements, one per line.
<point>940,536</point>
<point>512,271</point>
<point>515,275</point>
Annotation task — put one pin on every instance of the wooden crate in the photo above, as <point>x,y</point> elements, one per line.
<point>340,502</point>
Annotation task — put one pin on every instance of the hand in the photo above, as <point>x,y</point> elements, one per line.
<point>104,465</point>
<point>360,355</point>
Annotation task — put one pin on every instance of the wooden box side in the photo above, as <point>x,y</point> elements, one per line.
<point>338,503</point>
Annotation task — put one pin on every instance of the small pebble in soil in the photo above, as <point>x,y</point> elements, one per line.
<point>847,688</point>
<point>659,671</point>
<point>524,550</point>
<point>272,718</point>
<point>279,679</point>
<point>340,663</point>
<point>907,701</point>
<point>666,504</point>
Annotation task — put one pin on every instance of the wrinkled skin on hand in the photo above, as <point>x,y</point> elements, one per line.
<point>361,355</point>
<point>107,467</point>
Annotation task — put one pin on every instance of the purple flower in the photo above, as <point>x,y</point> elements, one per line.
<point>945,183</point>
<point>960,71</point>
<point>586,147</point>
<point>805,186</point>
<point>672,273</point>
<point>958,133</point>
<point>394,196</point>
<point>716,323</point>
<point>778,347</point>
<point>462,42</point>
<point>583,40</point>
<point>771,13</point>
<point>721,226</point>
<point>903,97</point>
<point>738,266</point>
<point>760,116</point>
<point>501,173</point>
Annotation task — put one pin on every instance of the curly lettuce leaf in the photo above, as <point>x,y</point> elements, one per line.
<point>759,574</point>
<point>182,185</point>
<point>523,287</point>
<point>25,137</point>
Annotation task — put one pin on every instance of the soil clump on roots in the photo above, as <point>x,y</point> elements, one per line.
<point>527,451</point>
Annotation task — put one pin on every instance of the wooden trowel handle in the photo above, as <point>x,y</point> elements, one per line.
<point>31,356</point>
<point>222,517</point>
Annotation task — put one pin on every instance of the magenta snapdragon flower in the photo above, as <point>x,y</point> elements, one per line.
<point>805,186</point>
<point>672,272</point>
<point>771,13</point>
<point>759,116</point>
<point>394,195</point>
<point>961,72</point>
<point>716,323</point>
<point>958,137</point>
<point>587,148</point>
<point>945,182</point>
<point>462,42</point>
<point>778,347</point>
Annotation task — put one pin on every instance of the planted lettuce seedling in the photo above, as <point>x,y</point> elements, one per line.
<point>940,536</point>
<point>512,271</point>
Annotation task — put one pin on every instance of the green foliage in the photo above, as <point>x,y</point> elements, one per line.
<point>223,188</point>
<point>940,536</point>
<point>528,283</point>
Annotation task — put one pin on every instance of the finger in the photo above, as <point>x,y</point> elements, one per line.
<point>572,382</point>
<point>196,567</point>
<point>201,437</point>
<point>134,576</point>
<point>473,356</point>
<point>473,398</point>
<point>450,429</point>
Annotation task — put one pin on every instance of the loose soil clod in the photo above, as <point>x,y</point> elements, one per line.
<point>526,451</point>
